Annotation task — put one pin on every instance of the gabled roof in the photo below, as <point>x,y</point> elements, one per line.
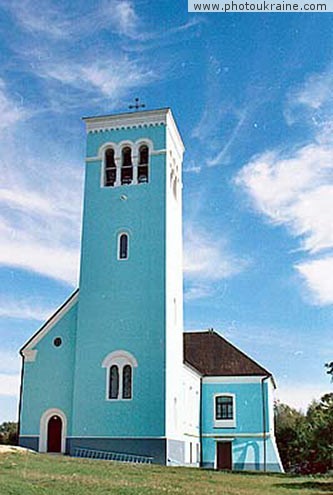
<point>48,325</point>
<point>213,355</point>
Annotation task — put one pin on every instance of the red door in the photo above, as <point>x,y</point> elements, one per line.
<point>224,459</point>
<point>54,430</point>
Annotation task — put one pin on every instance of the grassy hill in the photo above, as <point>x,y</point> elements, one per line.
<point>37,474</point>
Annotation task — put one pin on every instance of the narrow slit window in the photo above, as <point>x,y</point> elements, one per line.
<point>114,382</point>
<point>123,247</point>
<point>143,164</point>
<point>126,166</point>
<point>110,168</point>
<point>127,382</point>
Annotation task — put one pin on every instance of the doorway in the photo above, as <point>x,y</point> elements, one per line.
<point>224,455</point>
<point>54,434</point>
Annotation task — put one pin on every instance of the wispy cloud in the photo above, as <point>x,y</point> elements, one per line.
<point>40,216</point>
<point>294,188</point>
<point>207,260</point>
<point>207,257</point>
<point>24,310</point>
<point>10,111</point>
<point>223,153</point>
<point>54,22</point>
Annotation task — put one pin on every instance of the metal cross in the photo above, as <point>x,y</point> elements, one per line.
<point>137,105</point>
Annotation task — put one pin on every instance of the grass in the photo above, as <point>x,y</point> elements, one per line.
<point>37,474</point>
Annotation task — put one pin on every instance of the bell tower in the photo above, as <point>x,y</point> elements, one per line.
<point>129,339</point>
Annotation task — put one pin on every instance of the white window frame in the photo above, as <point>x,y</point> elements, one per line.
<point>118,246</point>
<point>225,423</point>
<point>119,358</point>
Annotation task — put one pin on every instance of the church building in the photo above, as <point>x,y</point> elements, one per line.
<point>112,374</point>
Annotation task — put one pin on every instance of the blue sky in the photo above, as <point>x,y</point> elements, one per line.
<point>252,95</point>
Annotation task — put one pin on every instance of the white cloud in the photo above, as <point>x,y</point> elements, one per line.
<point>315,92</point>
<point>10,362</point>
<point>198,291</point>
<point>206,256</point>
<point>300,395</point>
<point>295,188</point>
<point>53,22</point>
<point>9,385</point>
<point>41,216</point>
<point>318,276</point>
<point>25,310</point>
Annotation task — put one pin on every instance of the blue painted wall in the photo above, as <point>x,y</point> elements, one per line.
<point>249,411</point>
<point>247,452</point>
<point>48,381</point>
<point>122,302</point>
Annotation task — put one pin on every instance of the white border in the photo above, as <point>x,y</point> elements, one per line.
<point>44,425</point>
<point>118,246</point>
<point>225,423</point>
<point>119,358</point>
<point>233,379</point>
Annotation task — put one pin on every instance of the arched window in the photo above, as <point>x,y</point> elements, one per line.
<point>143,164</point>
<point>109,168</point>
<point>123,247</point>
<point>174,187</point>
<point>114,382</point>
<point>126,165</point>
<point>127,382</point>
<point>119,375</point>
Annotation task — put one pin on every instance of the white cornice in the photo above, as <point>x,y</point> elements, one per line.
<point>126,120</point>
<point>232,379</point>
<point>150,118</point>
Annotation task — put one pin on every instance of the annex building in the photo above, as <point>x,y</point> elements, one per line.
<point>112,374</point>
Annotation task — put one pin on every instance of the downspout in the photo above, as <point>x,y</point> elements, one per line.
<point>200,422</point>
<point>20,400</point>
<point>264,414</point>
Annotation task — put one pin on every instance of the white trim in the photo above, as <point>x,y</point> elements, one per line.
<point>236,435</point>
<point>127,120</point>
<point>30,355</point>
<point>44,426</point>
<point>232,379</point>
<point>153,152</point>
<point>108,436</point>
<point>225,423</point>
<point>191,370</point>
<point>119,358</point>
<point>59,313</point>
<point>89,159</point>
<point>118,246</point>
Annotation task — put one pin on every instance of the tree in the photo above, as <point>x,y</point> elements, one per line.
<point>329,371</point>
<point>8,433</point>
<point>320,421</point>
<point>305,441</point>
<point>291,436</point>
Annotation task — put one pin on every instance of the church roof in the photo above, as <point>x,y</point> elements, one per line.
<point>213,355</point>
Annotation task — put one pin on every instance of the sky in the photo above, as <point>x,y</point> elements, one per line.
<point>253,98</point>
